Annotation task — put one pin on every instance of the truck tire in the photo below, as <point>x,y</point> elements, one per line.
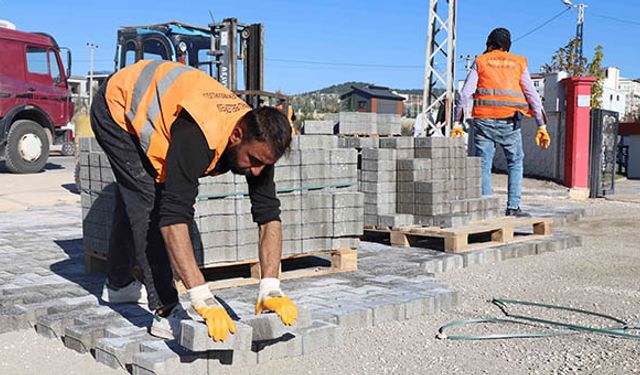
<point>27,148</point>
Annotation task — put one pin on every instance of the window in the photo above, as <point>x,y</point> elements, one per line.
<point>55,67</point>
<point>205,61</point>
<point>37,60</point>
<point>129,54</point>
<point>536,83</point>
<point>611,97</point>
<point>153,49</point>
<point>362,104</point>
<point>618,97</point>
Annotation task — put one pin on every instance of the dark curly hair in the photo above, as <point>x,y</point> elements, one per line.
<point>267,124</point>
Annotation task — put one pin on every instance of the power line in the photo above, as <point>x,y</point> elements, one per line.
<point>328,63</point>
<point>541,25</point>
<point>631,22</point>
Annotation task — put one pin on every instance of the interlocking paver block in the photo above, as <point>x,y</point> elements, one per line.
<point>195,336</point>
<point>118,352</point>
<point>320,335</point>
<point>284,347</point>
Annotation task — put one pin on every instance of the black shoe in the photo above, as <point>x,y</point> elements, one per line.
<point>517,212</point>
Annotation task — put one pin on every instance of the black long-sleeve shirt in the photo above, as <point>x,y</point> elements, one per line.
<point>187,159</point>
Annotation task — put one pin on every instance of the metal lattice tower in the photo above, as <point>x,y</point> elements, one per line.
<point>438,95</point>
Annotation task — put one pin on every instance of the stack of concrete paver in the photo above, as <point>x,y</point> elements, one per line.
<point>317,184</point>
<point>425,181</point>
<point>357,123</point>
<point>97,195</point>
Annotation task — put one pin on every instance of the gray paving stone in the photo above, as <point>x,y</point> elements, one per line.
<point>353,316</point>
<point>169,362</point>
<point>387,310</point>
<point>82,337</point>
<point>221,359</point>
<point>13,318</point>
<point>266,326</point>
<point>417,305</point>
<point>286,347</point>
<point>195,336</point>
<point>118,352</point>
<point>320,335</point>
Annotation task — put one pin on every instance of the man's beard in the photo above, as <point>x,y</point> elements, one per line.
<point>229,162</point>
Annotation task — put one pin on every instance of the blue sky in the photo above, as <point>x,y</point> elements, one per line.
<point>342,37</point>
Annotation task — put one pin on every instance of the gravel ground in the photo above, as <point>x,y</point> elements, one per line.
<point>601,276</point>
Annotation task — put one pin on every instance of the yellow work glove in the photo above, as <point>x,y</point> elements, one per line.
<point>271,298</point>
<point>457,130</point>
<point>543,140</point>
<point>215,316</point>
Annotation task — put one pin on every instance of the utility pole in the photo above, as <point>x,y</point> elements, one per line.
<point>579,22</point>
<point>92,47</point>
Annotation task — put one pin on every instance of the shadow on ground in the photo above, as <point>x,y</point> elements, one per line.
<point>73,269</point>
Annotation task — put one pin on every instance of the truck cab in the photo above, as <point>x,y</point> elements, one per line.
<point>35,103</point>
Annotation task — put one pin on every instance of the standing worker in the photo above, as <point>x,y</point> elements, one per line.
<point>503,93</point>
<point>163,125</point>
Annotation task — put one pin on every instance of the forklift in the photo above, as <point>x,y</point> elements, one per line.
<point>223,50</point>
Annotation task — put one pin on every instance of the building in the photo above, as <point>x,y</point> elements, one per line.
<point>79,86</point>
<point>631,89</point>
<point>613,98</point>
<point>375,99</point>
<point>538,83</point>
<point>412,104</point>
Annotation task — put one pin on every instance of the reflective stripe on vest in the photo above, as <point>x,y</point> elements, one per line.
<point>500,92</point>
<point>499,103</point>
<point>153,111</point>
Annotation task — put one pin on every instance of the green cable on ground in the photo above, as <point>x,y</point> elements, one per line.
<point>501,303</point>
<point>281,190</point>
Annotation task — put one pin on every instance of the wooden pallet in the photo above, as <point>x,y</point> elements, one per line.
<point>475,236</point>
<point>232,274</point>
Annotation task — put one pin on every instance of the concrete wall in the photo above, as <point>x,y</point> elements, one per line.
<point>547,164</point>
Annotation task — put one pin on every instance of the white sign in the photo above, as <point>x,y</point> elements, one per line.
<point>584,100</point>
<point>224,35</point>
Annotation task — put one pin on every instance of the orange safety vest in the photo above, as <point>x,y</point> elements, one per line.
<point>498,94</point>
<point>146,98</point>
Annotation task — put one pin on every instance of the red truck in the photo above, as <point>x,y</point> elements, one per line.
<point>35,102</point>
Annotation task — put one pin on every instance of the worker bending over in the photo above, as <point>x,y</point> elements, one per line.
<point>162,126</point>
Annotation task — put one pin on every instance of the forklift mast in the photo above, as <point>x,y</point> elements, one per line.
<point>217,49</point>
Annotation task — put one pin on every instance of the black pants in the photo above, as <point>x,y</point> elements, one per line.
<point>135,236</point>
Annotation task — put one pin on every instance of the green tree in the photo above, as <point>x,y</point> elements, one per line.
<point>567,59</point>
<point>595,70</point>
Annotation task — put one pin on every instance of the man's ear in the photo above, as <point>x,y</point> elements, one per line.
<point>237,135</point>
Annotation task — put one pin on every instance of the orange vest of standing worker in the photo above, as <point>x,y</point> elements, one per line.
<point>498,94</point>
<point>146,98</point>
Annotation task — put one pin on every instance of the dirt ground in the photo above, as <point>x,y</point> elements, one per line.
<point>602,275</point>
<point>51,187</point>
